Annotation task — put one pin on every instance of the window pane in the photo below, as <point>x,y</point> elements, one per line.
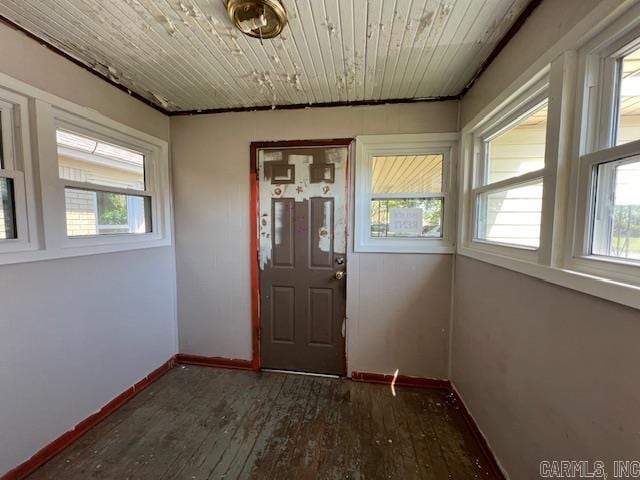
<point>83,159</point>
<point>519,149</point>
<point>103,213</point>
<point>7,210</point>
<point>616,231</point>
<point>406,217</point>
<point>629,107</point>
<point>511,216</point>
<point>407,174</point>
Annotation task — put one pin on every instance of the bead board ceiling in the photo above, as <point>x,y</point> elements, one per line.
<point>185,55</point>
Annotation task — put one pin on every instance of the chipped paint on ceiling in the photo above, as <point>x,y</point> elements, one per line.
<point>186,55</point>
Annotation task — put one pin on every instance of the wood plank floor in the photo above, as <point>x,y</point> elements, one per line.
<point>207,423</point>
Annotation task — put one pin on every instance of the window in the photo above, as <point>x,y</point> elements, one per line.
<point>510,172</point>
<point>550,168</point>
<point>512,215</point>
<point>606,233</point>
<point>99,180</point>
<point>7,210</point>
<point>403,193</point>
<point>15,174</point>
<point>628,104</point>
<point>616,219</point>
<point>99,186</point>
<point>105,186</point>
<point>406,196</point>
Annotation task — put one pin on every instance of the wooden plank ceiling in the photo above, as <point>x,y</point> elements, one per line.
<point>186,55</point>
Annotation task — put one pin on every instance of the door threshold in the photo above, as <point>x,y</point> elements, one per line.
<point>293,372</point>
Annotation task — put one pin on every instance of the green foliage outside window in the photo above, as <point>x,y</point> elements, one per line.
<point>112,209</point>
<point>626,231</point>
<point>431,217</point>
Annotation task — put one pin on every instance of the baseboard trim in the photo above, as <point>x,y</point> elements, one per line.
<point>481,440</point>
<point>66,439</point>
<point>447,386</point>
<point>402,380</point>
<point>220,362</point>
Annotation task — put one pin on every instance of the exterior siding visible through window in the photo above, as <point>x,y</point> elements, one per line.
<point>94,211</point>
<point>510,212</point>
<point>629,104</point>
<point>82,206</point>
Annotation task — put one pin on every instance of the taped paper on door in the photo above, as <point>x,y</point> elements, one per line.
<point>405,220</point>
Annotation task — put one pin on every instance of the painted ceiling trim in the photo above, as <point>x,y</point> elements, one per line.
<point>499,46</point>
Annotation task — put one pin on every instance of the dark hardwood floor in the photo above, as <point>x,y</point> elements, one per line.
<point>208,423</point>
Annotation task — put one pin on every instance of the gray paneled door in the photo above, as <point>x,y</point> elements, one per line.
<point>302,259</point>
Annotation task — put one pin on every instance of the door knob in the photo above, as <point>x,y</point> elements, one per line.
<point>340,275</point>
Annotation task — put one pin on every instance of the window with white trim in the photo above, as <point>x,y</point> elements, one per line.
<point>8,229</point>
<point>616,215</point>
<point>100,186</point>
<point>15,174</point>
<point>104,186</point>
<point>586,171</point>
<point>606,235</point>
<point>509,171</point>
<point>403,193</point>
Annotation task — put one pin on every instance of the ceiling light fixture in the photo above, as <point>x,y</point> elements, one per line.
<point>258,18</point>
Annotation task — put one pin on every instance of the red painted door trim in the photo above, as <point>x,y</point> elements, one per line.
<point>253,215</point>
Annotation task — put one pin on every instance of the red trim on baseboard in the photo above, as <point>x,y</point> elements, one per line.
<point>440,384</point>
<point>219,362</point>
<point>478,436</point>
<point>402,380</point>
<point>66,439</point>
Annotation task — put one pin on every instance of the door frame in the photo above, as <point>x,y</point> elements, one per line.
<point>254,213</point>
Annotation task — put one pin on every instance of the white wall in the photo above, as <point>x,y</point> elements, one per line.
<point>398,304</point>
<point>75,333</point>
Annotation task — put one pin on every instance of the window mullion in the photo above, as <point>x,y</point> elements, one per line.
<point>95,187</point>
<point>510,182</point>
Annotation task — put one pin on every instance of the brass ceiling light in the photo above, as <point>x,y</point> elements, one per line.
<point>258,18</point>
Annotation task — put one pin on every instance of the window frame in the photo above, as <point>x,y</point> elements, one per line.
<point>17,166</point>
<point>74,124</point>
<point>597,118</point>
<point>51,119</point>
<point>566,141</point>
<point>499,121</point>
<point>370,146</point>
<point>43,212</point>
<point>582,259</point>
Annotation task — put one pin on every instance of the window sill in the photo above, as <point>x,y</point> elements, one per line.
<point>405,245</point>
<point>27,256</point>
<point>614,291</point>
<point>503,250</point>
